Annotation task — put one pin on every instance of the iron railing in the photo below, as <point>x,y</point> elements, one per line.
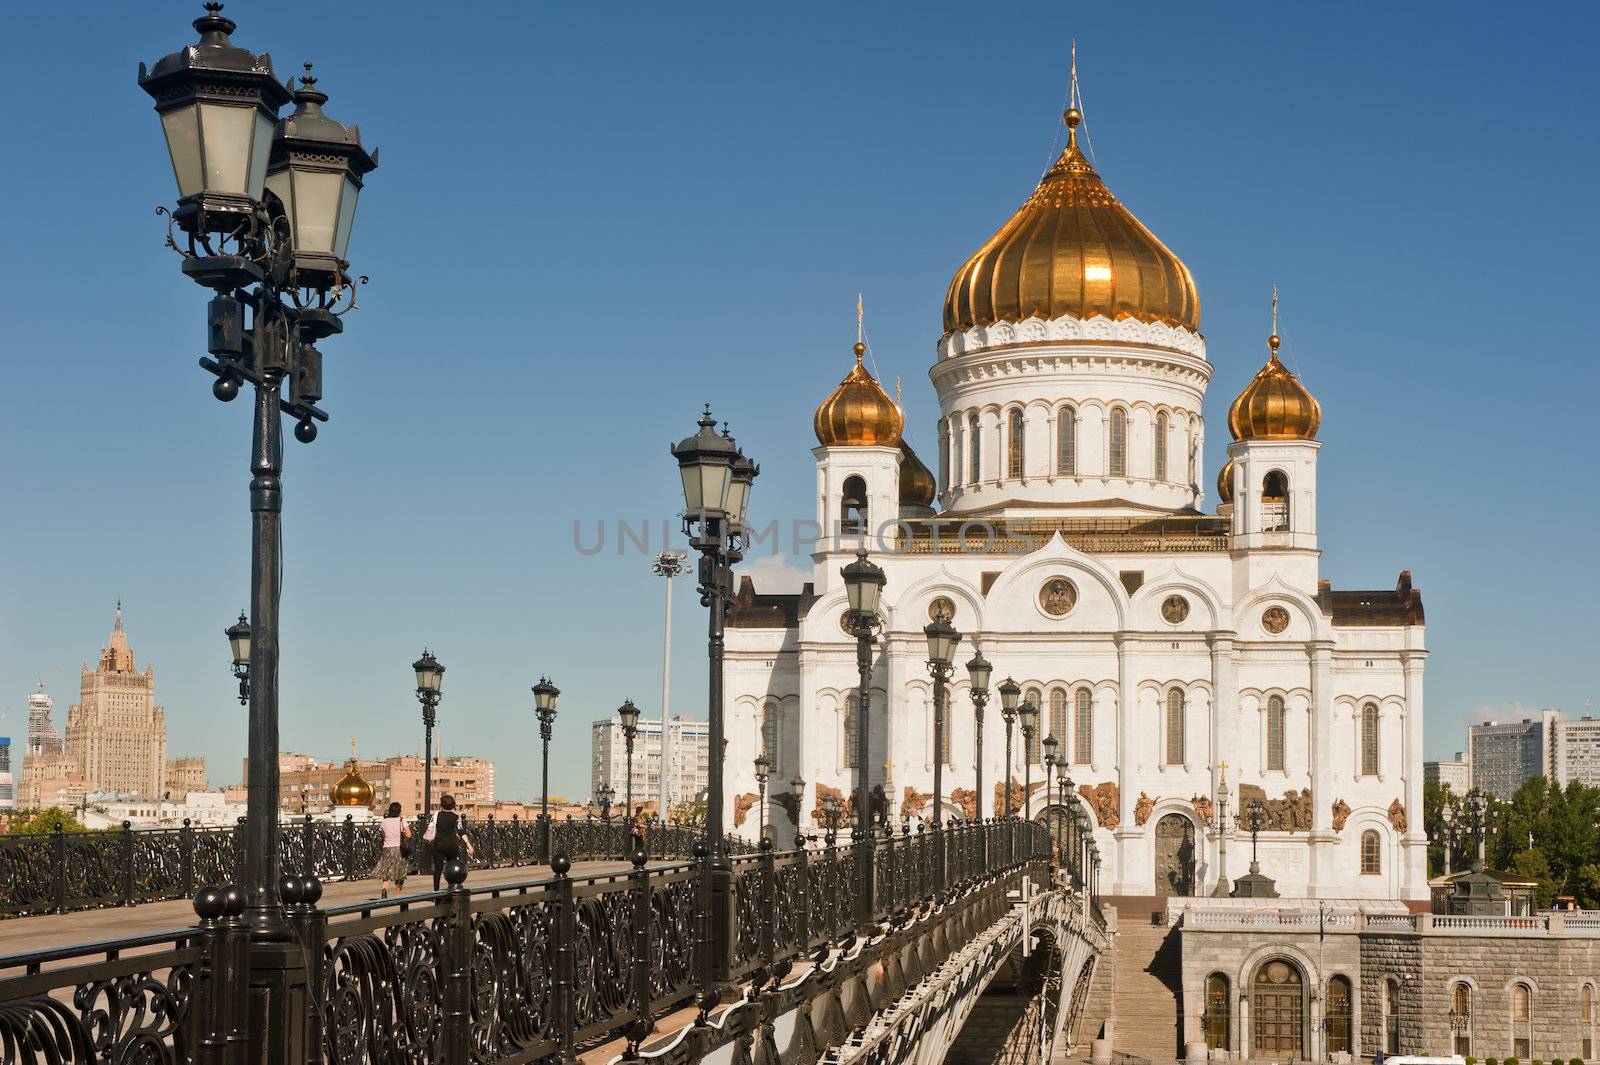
<point>499,974</point>
<point>61,871</point>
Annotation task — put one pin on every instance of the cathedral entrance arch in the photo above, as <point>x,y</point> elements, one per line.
<point>1175,856</point>
<point>1277,1010</point>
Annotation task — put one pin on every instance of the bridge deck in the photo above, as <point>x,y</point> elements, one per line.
<point>44,931</point>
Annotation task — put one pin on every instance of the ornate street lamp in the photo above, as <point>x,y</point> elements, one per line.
<point>1010,691</point>
<point>978,671</point>
<point>218,105</point>
<point>1255,814</point>
<point>1050,744</point>
<point>1447,815</point>
<point>717,479</point>
<point>863,588</point>
<point>1060,827</point>
<point>430,682</point>
<point>942,640</point>
<point>763,770</point>
<point>544,705</point>
<point>1030,726</point>
<point>797,789</point>
<point>628,714</point>
<point>239,642</point>
<point>830,814</point>
<point>603,795</point>
<point>1222,834</point>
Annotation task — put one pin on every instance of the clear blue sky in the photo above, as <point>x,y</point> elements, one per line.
<point>591,217</point>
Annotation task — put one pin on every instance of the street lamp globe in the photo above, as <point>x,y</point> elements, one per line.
<point>316,170</point>
<point>544,697</point>
<point>218,105</point>
<point>705,463</point>
<point>740,480</point>
<point>942,639</point>
<point>1030,716</point>
<point>863,585</point>
<point>430,674</point>
<point>978,670</point>
<point>763,769</point>
<point>239,640</point>
<point>1050,743</point>
<point>629,714</point>
<point>1010,691</point>
<point>797,788</point>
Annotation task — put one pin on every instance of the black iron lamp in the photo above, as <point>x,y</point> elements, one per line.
<point>763,771</point>
<point>1050,744</point>
<point>239,642</point>
<point>942,639</point>
<point>1029,715</point>
<point>705,462</point>
<point>797,789</point>
<point>430,674</point>
<point>545,695</point>
<point>978,672</point>
<point>430,687</point>
<point>863,586</point>
<point>1010,692</point>
<point>628,714</point>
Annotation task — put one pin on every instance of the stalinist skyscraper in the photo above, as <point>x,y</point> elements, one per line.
<point>115,733</point>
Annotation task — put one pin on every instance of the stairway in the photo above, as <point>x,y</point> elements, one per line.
<point>1147,1000</point>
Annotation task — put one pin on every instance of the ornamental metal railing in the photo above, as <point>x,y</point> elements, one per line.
<point>499,974</point>
<point>60,871</point>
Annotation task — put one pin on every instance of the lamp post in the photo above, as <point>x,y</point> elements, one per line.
<point>234,160</point>
<point>430,682</point>
<point>1477,805</point>
<point>239,642</point>
<point>1050,743</point>
<point>763,770</point>
<point>830,815</point>
<point>978,671</point>
<point>797,789</point>
<point>1062,817</point>
<point>1254,814</point>
<point>603,795</point>
<point>863,585</point>
<point>668,564</point>
<point>717,479</point>
<point>628,714</point>
<point>1030,726</point>
<point>942,640</point>
<point>1447,815</point>
<point>1009,693</point>
<point>1221,890</point>
<point>544,705</point>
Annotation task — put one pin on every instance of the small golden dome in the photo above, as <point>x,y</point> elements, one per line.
<point>1225,482</point>
<point>1072,249</point>
<point>917,486</point>
<point>859,413</point>
<point>351,790</point>
<point>1274,405</point>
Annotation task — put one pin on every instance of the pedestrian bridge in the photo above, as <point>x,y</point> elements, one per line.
<point>973,947</point>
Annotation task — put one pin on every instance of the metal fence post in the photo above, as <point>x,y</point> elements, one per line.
<point>208,1007</point>
<point>456,1046</point>
<point>566,934</point>
<point>186,859</point>
<point>58,848</point>
<point>349,847</point>
<point>769,898</point>
<point>307,826</point>
<point>127,863</point>
<point>233,970</point>
<point>802,919</point>
<point>310,925</point>
<point>640,1030</point>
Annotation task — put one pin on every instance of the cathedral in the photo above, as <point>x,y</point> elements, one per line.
<point>1189,661</point>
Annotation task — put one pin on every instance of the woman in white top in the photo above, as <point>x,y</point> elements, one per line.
<point>393,866</point>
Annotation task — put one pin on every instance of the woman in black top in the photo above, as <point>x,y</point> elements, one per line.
<point>450,842</point>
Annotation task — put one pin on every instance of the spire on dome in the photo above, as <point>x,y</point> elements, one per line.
<point>1274,405</point>
<point>1074,112</point>
<point>116,626</point>
<point>859,413</point>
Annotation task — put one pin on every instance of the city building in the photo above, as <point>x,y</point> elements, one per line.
<point>200,809</point>
<point>1067,536</point>
<point>42,735</point>
<point>1502,756</point>
<point>1455,774</point>
<point>116,733</point>
<point>687,775</point>
<point>1575,754</point>
<point>8,785</point>
<point>307,785</point>
<point>51,780</point>
<point>184,775</point>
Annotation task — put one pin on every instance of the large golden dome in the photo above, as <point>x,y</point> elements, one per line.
<point>1072,249</point>
<point>859,413</point>
<point>351,790</point>
<point>1274,405</point>
<point>917,485</point>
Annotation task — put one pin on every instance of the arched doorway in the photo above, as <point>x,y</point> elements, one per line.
<point>1174,856</point>
<point>1277,1010</point>
<point>1339,1015</point>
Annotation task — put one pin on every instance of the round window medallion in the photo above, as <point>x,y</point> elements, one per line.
<point>1275,619</point>
<point>1174,609</point>
<point>846,626</point>
<point>1278,972</point>
<point>941,605</point>
<point>1058,597</point>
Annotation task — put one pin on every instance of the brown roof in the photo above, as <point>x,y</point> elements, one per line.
<point>1403,606</point>
<point>777,611</point>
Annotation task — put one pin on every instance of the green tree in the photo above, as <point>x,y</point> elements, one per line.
<point>689,813</point>
<point>41,822</point>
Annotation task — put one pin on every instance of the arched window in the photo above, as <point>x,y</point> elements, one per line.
<point>1275,723</point>
<point>945,444</point>
<point>1339,1015</point>
<point>1371,854</point>
<point>1391,1016</point>
<point>1175,727</point>
<point>1014,444</point>
<point>974,458</point>
<point>769,733</point>
<point>1161,445</point>
<point>852,754</point>
<point>1218,1013</point>
<point>1461,1018</point>
<point>1067,441</point>
<point>1117,447</point>
<point>1275,502</point>
<point>853,506</point>
<point>1369,740</point>
<point>1036,697</point>
<point>1188,447</point>
<point>1521,1020</point>
<point>1586,1012</point>
<point>1058,717</point>
<point>1083,726</point>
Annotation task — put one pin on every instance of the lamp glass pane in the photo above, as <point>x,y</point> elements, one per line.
<point>692,499</point>
<point>852,593</point>
<point>182,127</point>
<point>738,493</point>
<point>241,648</point>
<point>316,194</point>
<point>260,151</point>
<point>347,218</point>
<point>714,485</point>
<point>281,185</point>
<point>228,132</point>
<point>870,593</point>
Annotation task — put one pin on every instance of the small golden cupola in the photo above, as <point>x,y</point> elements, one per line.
<point>917,485</point>
<point>1274,405</point>
<point>859,413</point>
<point>1225,482</point>
<point>1072,249</point>
<point>351,790</point>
